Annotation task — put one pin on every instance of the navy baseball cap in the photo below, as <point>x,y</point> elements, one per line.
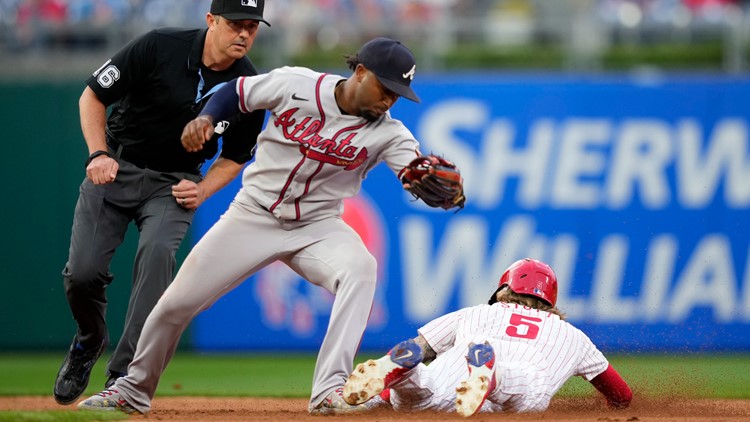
<point>392,63</point>
<point>239,9</point>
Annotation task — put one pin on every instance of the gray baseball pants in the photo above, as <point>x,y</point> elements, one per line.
<point>327,253</point>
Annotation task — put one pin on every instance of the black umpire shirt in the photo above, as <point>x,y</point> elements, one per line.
<point>156,84</point>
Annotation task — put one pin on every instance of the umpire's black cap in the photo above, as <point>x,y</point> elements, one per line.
<point>239,9</point>
<point>392,63</point>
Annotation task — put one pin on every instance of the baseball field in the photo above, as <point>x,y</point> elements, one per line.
<point>695,387</point>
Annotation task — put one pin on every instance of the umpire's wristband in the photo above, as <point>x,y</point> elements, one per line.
<point>94,155</point>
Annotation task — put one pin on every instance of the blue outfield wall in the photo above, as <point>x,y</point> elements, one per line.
<point>635,190</point>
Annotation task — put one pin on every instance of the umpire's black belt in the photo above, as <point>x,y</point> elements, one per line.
<point>124,153</point>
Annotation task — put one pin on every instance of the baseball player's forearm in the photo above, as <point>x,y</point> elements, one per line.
<point>221,172</point>
<point>224,103</point>
<point>614,388</point>
<point>93,115</point>
<point>427,351</point>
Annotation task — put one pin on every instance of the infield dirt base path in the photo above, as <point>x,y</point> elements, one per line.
<point>282,410</point>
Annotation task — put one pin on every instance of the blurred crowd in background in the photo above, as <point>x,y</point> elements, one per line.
<point>585,27</point>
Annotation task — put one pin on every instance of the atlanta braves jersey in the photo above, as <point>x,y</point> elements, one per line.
<point>311,156</point>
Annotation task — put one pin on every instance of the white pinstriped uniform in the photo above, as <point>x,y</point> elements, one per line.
<point>536,352</point>
<point>309,158</point>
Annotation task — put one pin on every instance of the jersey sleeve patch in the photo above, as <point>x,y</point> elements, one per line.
<point>107,75</point>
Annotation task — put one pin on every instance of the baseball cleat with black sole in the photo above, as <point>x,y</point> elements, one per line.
<point>74,374</point>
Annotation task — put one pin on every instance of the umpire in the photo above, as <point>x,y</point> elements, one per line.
<point>138,171</point>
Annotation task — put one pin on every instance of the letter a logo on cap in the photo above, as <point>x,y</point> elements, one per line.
<point>410,74</point>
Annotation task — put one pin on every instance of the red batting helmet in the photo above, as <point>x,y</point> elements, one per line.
<point>529,277</point>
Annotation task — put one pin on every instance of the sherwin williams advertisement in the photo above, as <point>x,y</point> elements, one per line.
<point>635,190</point>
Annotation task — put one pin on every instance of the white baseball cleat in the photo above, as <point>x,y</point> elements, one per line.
<point>108,400</point>
<point>373,376</point>
<point>471,394</point>
<point>334,404</point>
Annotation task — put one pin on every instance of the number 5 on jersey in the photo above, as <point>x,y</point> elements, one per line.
<point>523,326</point>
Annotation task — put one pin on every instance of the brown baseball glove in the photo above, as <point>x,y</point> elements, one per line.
<point>434,180</point>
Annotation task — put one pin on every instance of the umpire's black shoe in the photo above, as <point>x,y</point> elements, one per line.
<point>113,376</point>
<point>75,371</point>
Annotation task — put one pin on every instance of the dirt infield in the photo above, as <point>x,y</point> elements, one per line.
<point>281,410</point>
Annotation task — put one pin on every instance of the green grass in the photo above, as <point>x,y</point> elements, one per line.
<point>698,376</point>
<point>289,375</point>
<point>285,375</point>
<point>188,374</point>
<point>63,416</point>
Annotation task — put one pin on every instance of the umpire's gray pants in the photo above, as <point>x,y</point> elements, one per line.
<point>101,219</point>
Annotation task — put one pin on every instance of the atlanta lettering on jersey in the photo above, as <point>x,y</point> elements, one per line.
<point>328,150</point>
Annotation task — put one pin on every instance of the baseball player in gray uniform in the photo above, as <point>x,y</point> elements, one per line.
<point>324,134</point>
